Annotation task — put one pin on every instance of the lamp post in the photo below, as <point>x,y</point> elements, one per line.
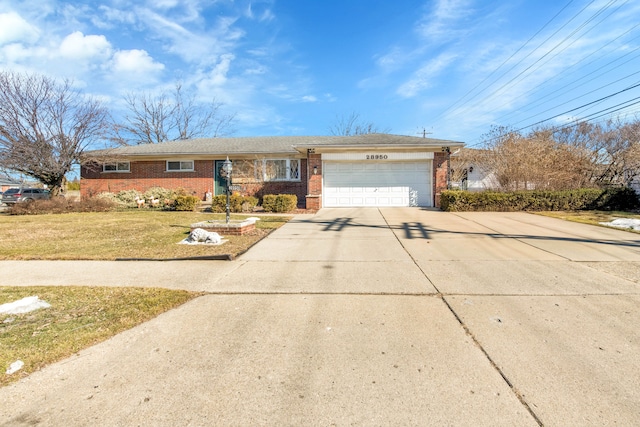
<point>225,172</point>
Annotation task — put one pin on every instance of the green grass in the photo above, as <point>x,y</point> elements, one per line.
<point>111,235</point>
<point>592,217</point>
<point>83,316</point>
<point>78,318</point>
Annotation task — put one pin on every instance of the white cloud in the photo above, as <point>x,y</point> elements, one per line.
<point>193,46</point>
<point>256,70</point>
<point>424,77</point>
<point>264,15</point>
<point>13,55</point>
<point>309,98</point>
<point>392,60</point>
<point>78,46</point>
<point>135,61</point>
<point>441,21</point>
<point>329,97</point>
<point>165,4</point>
<point>218,75</point>
<point>111,17</point>
<point>13,28</point>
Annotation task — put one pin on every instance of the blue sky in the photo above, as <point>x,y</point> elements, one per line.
<point>291,67</point>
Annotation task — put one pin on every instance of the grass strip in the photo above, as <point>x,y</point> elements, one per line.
<point>79,317</point>
<point>593,217</point>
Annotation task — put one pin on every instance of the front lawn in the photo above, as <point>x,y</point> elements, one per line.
<point>111,235</point>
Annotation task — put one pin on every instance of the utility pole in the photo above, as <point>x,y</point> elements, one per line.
<point>424,133</point>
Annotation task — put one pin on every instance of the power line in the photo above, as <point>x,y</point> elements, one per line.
<point>591,18</point>
<point>576,98</point>
<point>508,59</point>
<point>580,107</point>
<point>574,82</point>
<point>598,114</point>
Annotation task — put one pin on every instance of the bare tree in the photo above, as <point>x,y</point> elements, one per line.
<point>619,148</point>
<point>170,117</point>
<point>610,151</point>
<point>536,160</point>
<point>45,126</point>
<point>351,126</point>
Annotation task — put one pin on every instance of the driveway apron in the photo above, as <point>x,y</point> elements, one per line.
<point>372,317</point>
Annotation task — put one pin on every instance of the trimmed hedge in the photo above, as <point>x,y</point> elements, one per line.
<point>186,203</point>
<point>619,199</point>
<point>58,205</point>
<point>279,203</point>
<point>237,203</point>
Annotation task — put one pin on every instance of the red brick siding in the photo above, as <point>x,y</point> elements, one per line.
<point>148,174</point>
<point>145,175</point>
<point>439,176</point>
<point>314,199</point>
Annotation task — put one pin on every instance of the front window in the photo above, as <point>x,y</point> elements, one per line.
<point>116,167</point>
<point>180,166</point>
<point>244,171</point>
<point>281,170</point>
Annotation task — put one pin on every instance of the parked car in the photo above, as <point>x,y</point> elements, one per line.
<point>19,195</point>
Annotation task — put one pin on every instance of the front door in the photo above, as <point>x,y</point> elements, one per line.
<point>220,186</point>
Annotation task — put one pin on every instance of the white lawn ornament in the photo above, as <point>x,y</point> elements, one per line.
<point>139,201</point>
<point>199,235</point>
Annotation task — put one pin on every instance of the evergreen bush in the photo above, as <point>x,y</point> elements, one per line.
<point>186,203</point>
<point>279,203</point>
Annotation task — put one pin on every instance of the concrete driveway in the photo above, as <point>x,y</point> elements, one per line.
<point>366,317</point>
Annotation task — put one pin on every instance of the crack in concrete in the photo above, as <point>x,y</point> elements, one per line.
<point>468,332</point>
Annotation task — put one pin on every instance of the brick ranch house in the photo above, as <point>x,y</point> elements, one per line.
<point>322,171</point>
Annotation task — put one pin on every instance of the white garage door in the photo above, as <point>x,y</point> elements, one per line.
<point>377,184</point>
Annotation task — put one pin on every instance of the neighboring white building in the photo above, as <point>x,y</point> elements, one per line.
<point>478,179</point>
<point>635,184</point>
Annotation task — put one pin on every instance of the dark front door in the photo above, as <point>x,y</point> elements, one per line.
<point>220,182</point>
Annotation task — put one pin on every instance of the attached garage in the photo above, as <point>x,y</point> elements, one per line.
<point>380,180</point>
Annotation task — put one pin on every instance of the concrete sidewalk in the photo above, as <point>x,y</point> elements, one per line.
<point>365,317</point>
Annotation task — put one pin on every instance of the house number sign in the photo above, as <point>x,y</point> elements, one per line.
<point>377,156</point>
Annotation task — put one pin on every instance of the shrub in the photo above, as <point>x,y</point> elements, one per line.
<point>279,203</point>
<point>581,199</point>
<point>162,194</point>
<point>237,203</point>
<point>58,205</point>
<point>249,203</point>
<point>128,198</point>
<point>616,199</point>
<point>269,202</point>
<point>186,203</point>
<point>110,197</point>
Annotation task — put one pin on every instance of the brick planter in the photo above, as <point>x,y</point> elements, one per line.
<point>234,227</point>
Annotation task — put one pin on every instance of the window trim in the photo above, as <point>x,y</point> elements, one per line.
<point>287,169</point>
<point>192,169</point>
<point>117,169</point>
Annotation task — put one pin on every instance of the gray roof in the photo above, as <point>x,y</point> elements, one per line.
<point>277,145</point>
